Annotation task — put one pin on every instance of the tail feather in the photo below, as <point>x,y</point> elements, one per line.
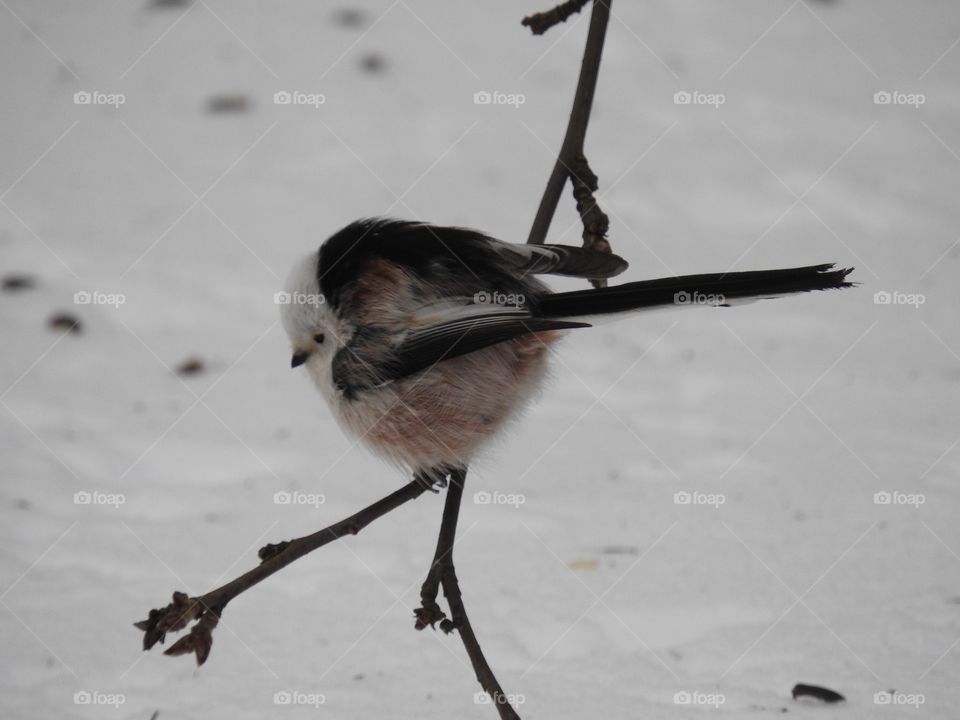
<point>713,289</point>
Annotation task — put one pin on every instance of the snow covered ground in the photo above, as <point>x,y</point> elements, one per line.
<point>600,595</point>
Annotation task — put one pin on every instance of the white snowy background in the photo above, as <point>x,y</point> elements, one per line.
<point>599,596</point>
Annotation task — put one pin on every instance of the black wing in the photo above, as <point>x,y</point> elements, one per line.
<point>464,255</point>
<point>559,260</point>
<point>363,363</point>
<point>426,347</point>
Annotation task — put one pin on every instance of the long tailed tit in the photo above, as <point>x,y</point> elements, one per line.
<point>426,340</point>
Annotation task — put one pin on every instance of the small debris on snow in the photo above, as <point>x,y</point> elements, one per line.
<point>16,283</point>
<point>350,18</point>
<point>219,104</point>
<point>373,63</point>
<point>619,550</point>
<point>191,366</point>
<point>815,691</point>
<point>154,4</point>
<point>64,322</point>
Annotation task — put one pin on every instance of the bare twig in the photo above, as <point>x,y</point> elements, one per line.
<point>571,162</point>
<point>206,609</point>
<point>540,22</point>
<point>442,571</point>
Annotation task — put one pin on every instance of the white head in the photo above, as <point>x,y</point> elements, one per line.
<point>310,323</point>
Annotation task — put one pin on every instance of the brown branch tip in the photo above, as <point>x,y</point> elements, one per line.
<point>175,617</point>
<point>540,22</point>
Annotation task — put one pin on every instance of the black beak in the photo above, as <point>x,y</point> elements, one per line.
<point>298,359</point>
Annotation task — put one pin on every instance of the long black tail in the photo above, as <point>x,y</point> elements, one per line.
<point>711,289</point>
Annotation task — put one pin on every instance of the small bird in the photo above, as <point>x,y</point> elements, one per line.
<point>427,340</point>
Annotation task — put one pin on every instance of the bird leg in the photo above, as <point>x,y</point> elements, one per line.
<point>442,573</point>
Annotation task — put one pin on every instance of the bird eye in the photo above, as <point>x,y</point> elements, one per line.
<point>319,338</point>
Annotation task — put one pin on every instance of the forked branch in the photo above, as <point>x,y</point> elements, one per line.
<point>206,609</point>
<point>571,162</point>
